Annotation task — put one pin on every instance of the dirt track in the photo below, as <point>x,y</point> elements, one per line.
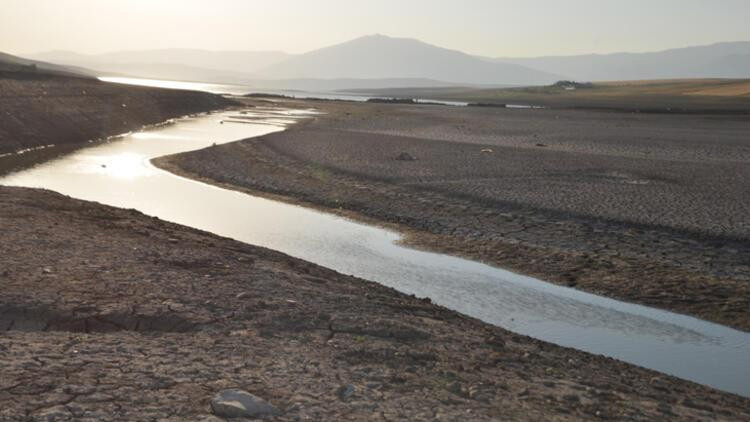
<point>107,314</point>
<point>647,208</point>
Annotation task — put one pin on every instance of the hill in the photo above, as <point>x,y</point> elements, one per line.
<point>381,57</point>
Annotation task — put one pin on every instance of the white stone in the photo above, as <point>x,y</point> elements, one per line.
<point>241,404</point>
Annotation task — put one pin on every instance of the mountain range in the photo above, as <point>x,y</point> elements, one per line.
<point>721,60</point>
<point>378,61</point>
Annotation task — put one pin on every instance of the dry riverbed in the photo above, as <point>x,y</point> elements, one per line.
<point>650,209</point>
<point>107,314</point>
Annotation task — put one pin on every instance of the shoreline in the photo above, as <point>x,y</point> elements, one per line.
<point>163,316</point>
<point>669,287</point>
<point>72,113</point>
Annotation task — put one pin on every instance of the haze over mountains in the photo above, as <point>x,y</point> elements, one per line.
<point>721,60</point>
<point>378,57</point>
<point>11,63</point>
<point>378,61</point>
<point>204,65</point>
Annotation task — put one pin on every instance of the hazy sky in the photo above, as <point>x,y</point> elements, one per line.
<point>486,27</point>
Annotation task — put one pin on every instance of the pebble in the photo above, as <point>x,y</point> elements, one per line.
<point>234,403</point>
<point>405,156</point>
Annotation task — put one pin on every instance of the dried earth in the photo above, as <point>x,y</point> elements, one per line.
<point>646,208</point>
<point>107,314</point>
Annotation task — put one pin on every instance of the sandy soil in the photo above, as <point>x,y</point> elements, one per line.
<point>107,314</point>
<point>646,208</point>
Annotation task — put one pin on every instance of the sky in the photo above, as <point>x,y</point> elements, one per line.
<point>494,28</point>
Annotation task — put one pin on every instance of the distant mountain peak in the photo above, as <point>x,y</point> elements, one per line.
<point>378,56</point>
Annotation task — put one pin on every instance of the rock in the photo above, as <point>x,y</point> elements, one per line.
<point>241,404</point>
<point>345,392</point>
<point>405,156</point>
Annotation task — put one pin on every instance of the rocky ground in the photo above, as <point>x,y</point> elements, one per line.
<point>38,110</point>
<point>107,314</point>
<point>646,208</point>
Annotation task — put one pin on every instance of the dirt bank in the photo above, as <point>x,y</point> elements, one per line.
<point>39,110</point>
<point>647,208</point>
<point>107,314</point>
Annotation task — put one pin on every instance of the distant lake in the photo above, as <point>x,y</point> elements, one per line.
<point>247,89</point>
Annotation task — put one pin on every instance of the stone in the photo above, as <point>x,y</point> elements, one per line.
<point>234,403</point>
<point>405,156</point>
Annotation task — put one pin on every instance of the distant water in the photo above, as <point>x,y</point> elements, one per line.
<point>246,89</point>
<point>188,86</point>
<point>119,173</point>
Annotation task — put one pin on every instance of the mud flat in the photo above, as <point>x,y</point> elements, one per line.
<point>647,208</point>
<point>109,314</point>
